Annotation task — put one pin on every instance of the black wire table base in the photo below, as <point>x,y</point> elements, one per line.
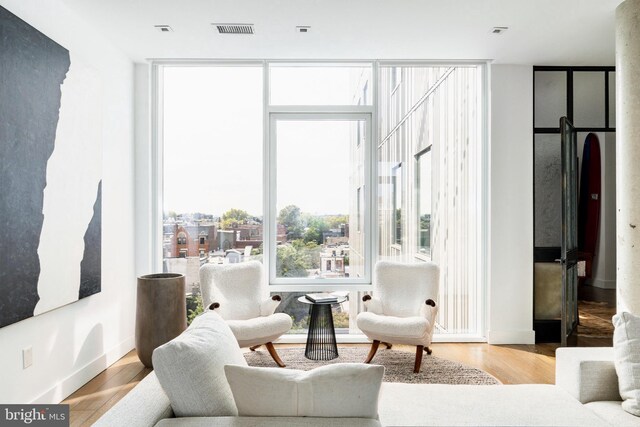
<point>321,341</point>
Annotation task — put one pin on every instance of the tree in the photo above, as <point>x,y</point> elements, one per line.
<point>234,217</point>
<point>316,226</point>
<point>290,262</point>
<point>312,234</point>
<point>290,217</point>
<point>335,221</point>
<point>194,307</point>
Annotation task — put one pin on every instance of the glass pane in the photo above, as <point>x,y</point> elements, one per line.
<point>424,204</point>
<point>612,99</point>
<point>547,190</point>
<point>396,183</point>
<point>211,115</point>
<point>326,84</point>
<point>570,199</point>
<point>588,99</point>
<point>550,98</point>
<point>436,107</point>
<point>316,210</point>
<point>570,302</point>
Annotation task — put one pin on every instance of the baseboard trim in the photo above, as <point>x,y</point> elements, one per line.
<point>512,337</point>
<point>65,387</point>
<point>604,284</point>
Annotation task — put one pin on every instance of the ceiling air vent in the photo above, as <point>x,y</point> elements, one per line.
<point>234,28</point>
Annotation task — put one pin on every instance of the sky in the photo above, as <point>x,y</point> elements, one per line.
<point>213,135</point>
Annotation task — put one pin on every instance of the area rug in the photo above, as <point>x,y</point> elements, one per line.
<point>398,365</point>
<point>595,319</point>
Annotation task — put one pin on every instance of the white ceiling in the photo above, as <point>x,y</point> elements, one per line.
<point>541,32</point>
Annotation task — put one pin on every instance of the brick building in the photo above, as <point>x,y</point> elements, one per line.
<point>182,241</point>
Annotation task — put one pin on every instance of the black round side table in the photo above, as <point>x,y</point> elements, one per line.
<point>321,340</point>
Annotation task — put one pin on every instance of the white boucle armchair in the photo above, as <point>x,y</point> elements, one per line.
<point>239,295</point>
<point>403,308</point>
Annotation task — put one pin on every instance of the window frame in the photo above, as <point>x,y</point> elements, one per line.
<point>270,189</point>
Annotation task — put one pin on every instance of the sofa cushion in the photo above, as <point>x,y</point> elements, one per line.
<point>612,412</point>
<point>481,405</point>
<point>340,390</point>
<point>626,348</point>
<point>268,422</point>
<point>190,368</point>
<point>587,373</point>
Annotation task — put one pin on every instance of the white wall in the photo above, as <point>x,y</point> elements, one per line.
<point>510,287</point>
<point>74,343</point>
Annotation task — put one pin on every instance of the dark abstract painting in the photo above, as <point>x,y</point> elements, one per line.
<point>50,174</point>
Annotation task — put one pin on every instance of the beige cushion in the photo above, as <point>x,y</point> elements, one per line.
<point>340,390</point>
<point>626,347</point>
<point>587,373</point>
<point>190,368</point>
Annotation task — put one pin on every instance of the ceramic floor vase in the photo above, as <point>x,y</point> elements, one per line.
<point>161,312</point>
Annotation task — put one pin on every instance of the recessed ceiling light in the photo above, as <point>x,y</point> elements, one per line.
<point>163,28</point>
<point>499,30</point>
<point>303,29</point>
<point>234,28</point>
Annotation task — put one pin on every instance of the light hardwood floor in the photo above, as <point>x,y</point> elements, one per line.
<point>511,364</point>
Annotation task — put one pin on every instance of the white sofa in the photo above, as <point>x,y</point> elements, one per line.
<point>589,375</point>
<point>585,395</point>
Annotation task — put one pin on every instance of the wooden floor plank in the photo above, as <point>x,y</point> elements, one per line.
<point>122,391</point>
<point>107,390</point>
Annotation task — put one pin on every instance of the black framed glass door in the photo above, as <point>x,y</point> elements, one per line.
<point>569,247</point>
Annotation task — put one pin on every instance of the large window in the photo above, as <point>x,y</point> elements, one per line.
<point>429,175</point>
<point>318,170</point>
<point>212,167</point>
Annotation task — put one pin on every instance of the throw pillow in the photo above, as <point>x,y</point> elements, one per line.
<point>190,368</point>
<point>626,348</point>
<point>340,390</point>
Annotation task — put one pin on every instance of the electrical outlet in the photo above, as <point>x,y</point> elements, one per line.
<point>27,357</point>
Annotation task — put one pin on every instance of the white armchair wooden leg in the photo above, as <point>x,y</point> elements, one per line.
<point>372,351</point>
<point>416,367</point>
<point>274,354</point>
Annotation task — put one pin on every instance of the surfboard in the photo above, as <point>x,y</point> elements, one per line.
<point>589,201</point>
